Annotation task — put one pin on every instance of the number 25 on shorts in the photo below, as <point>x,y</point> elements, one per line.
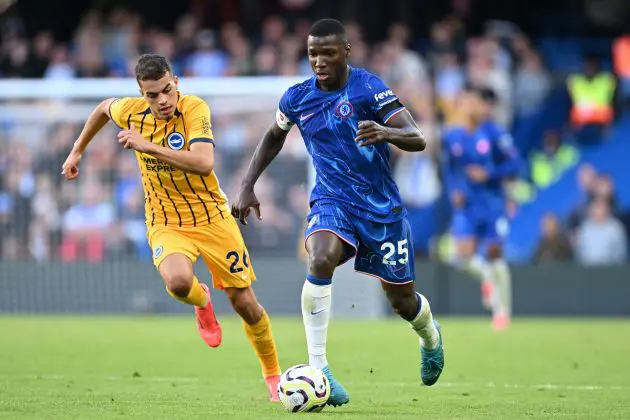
<point>390,250</point>
<point>235,258</point>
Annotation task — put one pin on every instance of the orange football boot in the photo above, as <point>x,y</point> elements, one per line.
<point>500,322</point>
<point>486,294</point>
<point>272,387</point>
<point>207,324</point>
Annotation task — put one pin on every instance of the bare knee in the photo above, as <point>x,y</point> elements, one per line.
<point>495,252</point>
<point>325,250</point>
<point>466,248</point>
<point>322,264</point>
<point>179,284</point>
<point>177,273</point>
<point>245,304</point>
<point>406,307</point>
<point>403,300</point>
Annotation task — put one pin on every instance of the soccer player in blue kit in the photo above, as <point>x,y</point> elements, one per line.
<point>347,116</point>
<point>478,157</point>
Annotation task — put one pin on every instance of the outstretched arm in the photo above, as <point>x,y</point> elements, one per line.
<point>199,160</point>
<point>400,130</point>
<point>266,151</point>
<point>97,119</point>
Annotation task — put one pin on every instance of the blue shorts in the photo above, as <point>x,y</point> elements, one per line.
<point>382,250</point>
<point>491,228</point>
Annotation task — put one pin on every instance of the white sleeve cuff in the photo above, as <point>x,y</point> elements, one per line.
<point>282,121</point>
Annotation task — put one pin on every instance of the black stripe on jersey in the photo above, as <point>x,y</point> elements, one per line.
<point>158,176</point>
<point>203,181</point>
<point>184,125</point>
<point>197,195</point>
<point>392,106</point>
<point>169,197</point>
<point>129,122</point>
<point>201,200</point>
<point>142,122</point>
<point>148,198</point>
<point>145,185</point>
<point>202,140</point>
<point>180,193</point>
<point>179,216</point>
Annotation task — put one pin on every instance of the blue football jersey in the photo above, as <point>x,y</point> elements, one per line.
<point>357,177</point>
<point>489,146</point>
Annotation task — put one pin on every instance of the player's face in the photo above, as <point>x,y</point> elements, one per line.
<point>477,107</point>
<point>328,57</point>
<point>161,95</point>
<point>466,104</point>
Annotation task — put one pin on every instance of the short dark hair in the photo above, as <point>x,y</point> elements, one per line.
<point>152,67</point>
<point>485,93</point>
<point>488,95</point>
<point>325,27</point>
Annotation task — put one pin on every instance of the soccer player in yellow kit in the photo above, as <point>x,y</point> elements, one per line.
<point>186,211</point>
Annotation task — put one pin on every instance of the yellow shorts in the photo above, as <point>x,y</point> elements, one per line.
<point>220,244</point>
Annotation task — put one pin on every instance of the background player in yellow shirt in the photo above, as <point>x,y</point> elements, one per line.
<point>186,211</point>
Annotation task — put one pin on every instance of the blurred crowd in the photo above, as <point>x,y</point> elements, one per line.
<point>107,45</point>
<point>44,218</point>
<point>596,232</point>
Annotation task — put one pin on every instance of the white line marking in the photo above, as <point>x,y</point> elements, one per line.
<point>492,385</point>
<point>538,386</point>
<point>193,379</point>
<point>153,378</point>
<point>107,378</point>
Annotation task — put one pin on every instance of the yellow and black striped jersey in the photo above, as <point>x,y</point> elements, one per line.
<point>172,196</point>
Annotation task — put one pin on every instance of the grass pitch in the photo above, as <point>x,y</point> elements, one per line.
<point>158,368</point>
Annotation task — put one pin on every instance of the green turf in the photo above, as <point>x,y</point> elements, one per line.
<point>158,368</point>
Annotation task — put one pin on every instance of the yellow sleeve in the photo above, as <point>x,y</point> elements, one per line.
<point>197,121</point>
<point>119,110</point>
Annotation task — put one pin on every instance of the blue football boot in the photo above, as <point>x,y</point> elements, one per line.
<point>338,394</point>
<point>432,361</point>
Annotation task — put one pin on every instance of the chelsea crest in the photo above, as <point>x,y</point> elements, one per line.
<point>344,109</point>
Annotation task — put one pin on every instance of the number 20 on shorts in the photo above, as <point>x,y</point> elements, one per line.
<point>235,258</point>
<point>390,249</point>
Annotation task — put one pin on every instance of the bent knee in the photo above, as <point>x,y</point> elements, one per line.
<point>244,303</point>
<point>406,307</point>
<point>466,248</point>
<point>237,297</point>
<point>495,252</point>
<point>177,272</point>
<point>322,264</point>
<point>179,283</point>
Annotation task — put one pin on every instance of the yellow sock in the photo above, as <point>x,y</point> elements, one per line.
<point>261,337</point>
<point>197,296</point>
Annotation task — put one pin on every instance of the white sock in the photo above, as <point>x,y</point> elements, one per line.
<point>423,325</point>
<point>316,304</point>
<point>479,267</point>
<point>503,287</point>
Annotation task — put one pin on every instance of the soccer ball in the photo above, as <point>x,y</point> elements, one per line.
<point>303,388</point>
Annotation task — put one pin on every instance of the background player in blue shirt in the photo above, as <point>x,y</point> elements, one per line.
<point>347,116</point>
<point>478,157</point>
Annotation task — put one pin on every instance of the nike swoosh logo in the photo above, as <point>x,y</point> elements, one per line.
<point>318,311</point>
<point>306,117</point>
